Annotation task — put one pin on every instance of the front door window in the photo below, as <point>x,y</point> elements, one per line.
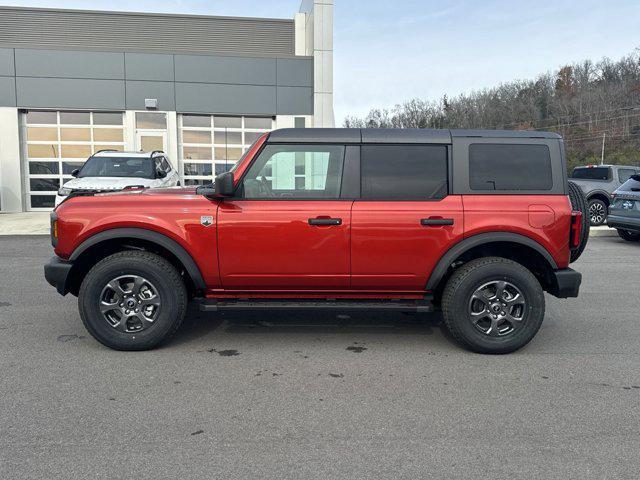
<point>295,171</point>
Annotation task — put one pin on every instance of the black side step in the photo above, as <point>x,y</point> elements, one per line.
<point>417,306</point>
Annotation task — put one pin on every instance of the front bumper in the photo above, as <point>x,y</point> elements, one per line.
<point>565,283</point>
<point>56,272</point>
<point>625,223</point>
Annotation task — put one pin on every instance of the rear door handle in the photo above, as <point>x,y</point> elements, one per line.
<point>325,221</point>
<point>436,222</point>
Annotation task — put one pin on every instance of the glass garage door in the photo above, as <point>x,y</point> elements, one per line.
<point>212,144</point>
<point>56,143</point>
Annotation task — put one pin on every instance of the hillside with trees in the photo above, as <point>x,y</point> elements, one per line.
<point>584,102</point>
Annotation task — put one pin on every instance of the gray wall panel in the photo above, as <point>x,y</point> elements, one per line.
<point>295,101</point>
<point>50,63</point>
<point>70,93</point>
<point>144,32</point>
<point>7,92</point>
<point>148,66</point>
<point>295,72</point>
<point>218,69</point>
<point>137,91</point>
<point>237,99</point>
<point>6,62</point>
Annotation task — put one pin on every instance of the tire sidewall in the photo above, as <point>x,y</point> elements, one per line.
<point>107,270</point>
<point>533,316</point>
<point>628,235</point>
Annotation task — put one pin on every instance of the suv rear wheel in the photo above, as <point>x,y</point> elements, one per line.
<point>493,305</point>
<point>132,300</point>
<point>597,211</point>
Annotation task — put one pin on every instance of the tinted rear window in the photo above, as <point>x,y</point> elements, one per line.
<point>403,172</point>
<point>509,167</point>
<point>595,173</point>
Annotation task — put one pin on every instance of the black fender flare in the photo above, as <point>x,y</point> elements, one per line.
<point>467,244</point>
<point>151,236</point>
<point>603,193</point>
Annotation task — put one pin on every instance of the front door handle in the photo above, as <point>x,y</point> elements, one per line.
<point>325,221</point>
<point>436,222</point>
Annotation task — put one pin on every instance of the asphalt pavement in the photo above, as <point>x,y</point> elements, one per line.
<point>321,396</point>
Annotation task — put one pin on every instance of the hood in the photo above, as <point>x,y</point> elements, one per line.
<point>107,183</point>
<point>168,191</point>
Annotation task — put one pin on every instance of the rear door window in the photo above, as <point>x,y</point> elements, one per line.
<point>624,174</point>
<point>592,173</point>
<point>403,172</point>
<point>509,167</point>
<point>631,185</point>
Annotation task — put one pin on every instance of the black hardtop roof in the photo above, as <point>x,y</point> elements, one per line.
<point>393,135</point>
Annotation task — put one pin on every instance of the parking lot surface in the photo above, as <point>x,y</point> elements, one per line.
<point>321,395</point>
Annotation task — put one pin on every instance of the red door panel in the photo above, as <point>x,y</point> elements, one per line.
<point>271,245</point>
<point>392,250</point>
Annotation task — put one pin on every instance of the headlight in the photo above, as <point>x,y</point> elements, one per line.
<point>63,192</point>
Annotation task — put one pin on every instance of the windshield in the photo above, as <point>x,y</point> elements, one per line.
<point>594,173</point>
<point>117,167</point>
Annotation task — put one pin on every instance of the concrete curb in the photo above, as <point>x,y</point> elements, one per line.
<point>27,223</point>
<point>603,231</point>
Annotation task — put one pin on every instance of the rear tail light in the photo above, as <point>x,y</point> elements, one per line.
<point>576,229</point>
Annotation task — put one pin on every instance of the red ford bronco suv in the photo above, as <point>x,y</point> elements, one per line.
<point>475,223</point>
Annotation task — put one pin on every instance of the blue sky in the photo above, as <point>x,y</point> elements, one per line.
<point>386,52</point>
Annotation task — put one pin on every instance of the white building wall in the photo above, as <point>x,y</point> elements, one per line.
<point>314,37</point>
<point>10,176</point>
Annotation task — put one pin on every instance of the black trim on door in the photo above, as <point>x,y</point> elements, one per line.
<point>436,222</point>
<point>325,221</point>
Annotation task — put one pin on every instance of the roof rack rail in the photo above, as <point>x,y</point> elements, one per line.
<point>104,150</point>
<point>157,151</point>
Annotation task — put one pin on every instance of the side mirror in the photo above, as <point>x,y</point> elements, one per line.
<point>75,172</point>
<point>224,184</point>
<point>161,174</point>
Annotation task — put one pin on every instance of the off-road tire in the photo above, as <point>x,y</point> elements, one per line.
<point>628,236</point>
<point>579,204</point>
<point>464,282</point>
<point>164,277</point>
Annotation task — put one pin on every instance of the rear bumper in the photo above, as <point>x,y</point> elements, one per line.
<point>626,223</point>
<point>565,283</point>
<point>56,272</point>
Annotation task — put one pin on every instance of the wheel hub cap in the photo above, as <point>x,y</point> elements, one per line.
<point>497,308</point>
<point>597,212</point>
<point>130,303</point>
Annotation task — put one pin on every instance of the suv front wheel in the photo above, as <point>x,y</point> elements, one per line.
<point>132,300</point>
<point>628,235</point>
<point>493,305</point>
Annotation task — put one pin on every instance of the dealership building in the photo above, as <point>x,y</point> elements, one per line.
<point>200,88</point>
